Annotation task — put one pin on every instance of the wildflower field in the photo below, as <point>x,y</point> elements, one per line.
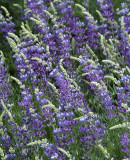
<point>64,80</point>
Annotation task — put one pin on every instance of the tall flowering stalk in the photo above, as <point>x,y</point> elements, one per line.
<point>6,23</point>
<point>125,143</point>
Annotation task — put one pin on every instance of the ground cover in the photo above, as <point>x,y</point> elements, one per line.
<point>64,80</point>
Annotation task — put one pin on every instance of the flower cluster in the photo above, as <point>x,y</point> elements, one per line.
<point>125,142</point>
<point>6,25</point>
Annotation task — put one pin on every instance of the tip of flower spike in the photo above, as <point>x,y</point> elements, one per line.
<point>105,152</point>
<point>43,141</point>
<point>6,11</point>
<point>6,110</point>
<point>2,58</point>
<point>81,7</point>
<point>65,152</point>
<point>17,80</point>
<point>123,125</point>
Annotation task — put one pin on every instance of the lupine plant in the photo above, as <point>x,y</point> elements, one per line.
<point>70,97</point>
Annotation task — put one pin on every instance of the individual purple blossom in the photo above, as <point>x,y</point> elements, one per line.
<point>11,156</point>
<point>100,2</point>
<point>57,130</point>
<point>86,3</point>
<point>125,79</point>
<point>124,11</point>
<point>84,130</point>
<point>123,4</point>
<point>83,120</point>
